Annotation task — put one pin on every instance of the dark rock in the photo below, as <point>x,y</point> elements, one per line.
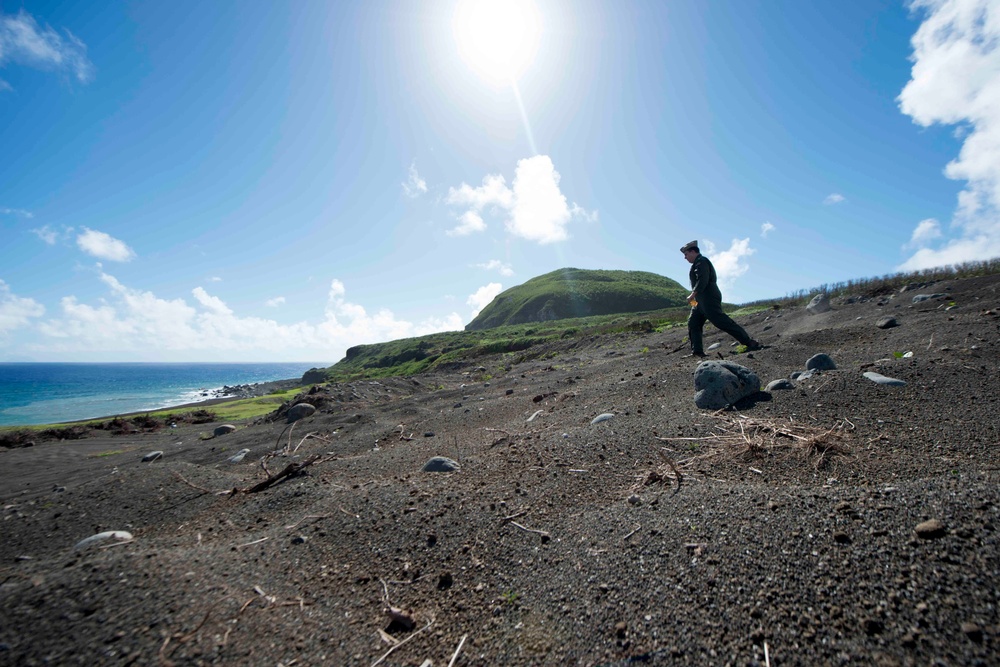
<point>152,456</point>
<point>721,383</point>
<point>223,429</point>
<point>299,411</point>
<point>783,383</point>
<point>887,323</point>
<point>820,362</point>
<point>441,464</point>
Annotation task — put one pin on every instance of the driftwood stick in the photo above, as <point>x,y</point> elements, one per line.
<point>288,470</point>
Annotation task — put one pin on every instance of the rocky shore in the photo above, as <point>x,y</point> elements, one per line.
<point>593,514</point>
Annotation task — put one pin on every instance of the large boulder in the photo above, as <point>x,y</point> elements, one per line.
<point>721,383</point>
<point>819,304</point>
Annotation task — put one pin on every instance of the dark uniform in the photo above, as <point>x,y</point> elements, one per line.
<point>704,284</point>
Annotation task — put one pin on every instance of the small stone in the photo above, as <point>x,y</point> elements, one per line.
<point>429,434</point>
<point>601,418</point>
<point>886,323</point>
<point>840,537</point>
<point>778,385</point>
<point>108,535</point>
<point>508,392</point>
<point>152,456</point>
<point>820,362</point>
<point>299,539</point>
<point>713,346</point>
<point>441,464</point>
<point>621,627</point>
<point>223,429</point>
<point>873,626</point>
<point>878,378</point>
<point>299,411</point>
<point>931,529</point>
<point>634,499</point>
<point>972,631</point>
<point>239,456</point>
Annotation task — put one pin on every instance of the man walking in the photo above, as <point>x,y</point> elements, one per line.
<point>706,303</point>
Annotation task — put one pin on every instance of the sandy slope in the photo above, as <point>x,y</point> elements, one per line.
<point>559,541</point>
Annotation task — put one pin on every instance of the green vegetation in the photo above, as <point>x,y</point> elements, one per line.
<point>568,293</point>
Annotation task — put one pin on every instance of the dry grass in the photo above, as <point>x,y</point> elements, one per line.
<point>738,436</point>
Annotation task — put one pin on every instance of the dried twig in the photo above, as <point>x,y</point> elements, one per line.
<point>387,653</point>
<point>544,534</point>
<point>633,532</point>
<point>457,651</point>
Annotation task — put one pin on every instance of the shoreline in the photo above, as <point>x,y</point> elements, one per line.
<point>245,391</point>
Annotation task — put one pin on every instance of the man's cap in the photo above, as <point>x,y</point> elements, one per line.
<point>693,245</point>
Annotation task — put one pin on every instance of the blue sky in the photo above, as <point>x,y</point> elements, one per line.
<point>279,181</point>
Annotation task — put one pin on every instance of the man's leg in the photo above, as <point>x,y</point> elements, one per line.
<point>725,323</point>
<point>696,321</point>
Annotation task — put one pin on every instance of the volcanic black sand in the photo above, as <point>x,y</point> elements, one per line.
<point>839,522</point>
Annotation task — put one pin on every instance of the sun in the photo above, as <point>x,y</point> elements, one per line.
<point>497,39</point>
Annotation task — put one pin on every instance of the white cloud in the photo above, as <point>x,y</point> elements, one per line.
<point>534,206</point>
<point>834,198</point>
<point>19,212</point>
<point>955,80</point>
<point>469,222</point>
<point>730,264</point>
<point>15,311</point>
<point>46,234</point>
<point>497,265</point>
<point>24,42</point>
<point>482,297</point>
<point>766,229</point>
<point>414,186</point>
<point>925,232</point>
<point>103,246</point>
<point>275,302</point>
<point>5,87</point>
<point>214,279</point>
<point>136,324</point>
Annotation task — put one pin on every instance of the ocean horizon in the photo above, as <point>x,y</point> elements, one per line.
<point>53,392</point>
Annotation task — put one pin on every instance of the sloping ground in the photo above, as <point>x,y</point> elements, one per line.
<point>790,536</point>
<point>568,293</point>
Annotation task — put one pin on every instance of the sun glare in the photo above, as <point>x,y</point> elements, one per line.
<point>497,38</point>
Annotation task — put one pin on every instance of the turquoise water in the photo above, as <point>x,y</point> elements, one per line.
<point>44,393</point>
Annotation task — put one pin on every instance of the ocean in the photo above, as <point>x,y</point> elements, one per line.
<point>45,393</point>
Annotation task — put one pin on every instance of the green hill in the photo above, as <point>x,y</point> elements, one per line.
<point>569,292</point>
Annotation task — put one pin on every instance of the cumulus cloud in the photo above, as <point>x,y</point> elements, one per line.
<point>955,80</point>
<point>482,297</point>
<point>15,311</point>
<point>731,264</point>
<point>275,302</point>
<point>533,206</point>
<point>496,265</point>
<point>924,233</point>
<point>24,42</point>
<point>834,198</point>
<point>414,186</point>
<point>469,222</point>
<point>133,323</point>
<point>19,212</point>
<point>104,246</point>
<point>766,229</point>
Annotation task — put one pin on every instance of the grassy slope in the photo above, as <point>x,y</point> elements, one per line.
<point>569,292</point>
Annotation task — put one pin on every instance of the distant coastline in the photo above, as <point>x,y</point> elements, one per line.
<point>51,393</point>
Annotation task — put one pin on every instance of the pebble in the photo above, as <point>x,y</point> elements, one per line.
<point>840,537</point>
<point>429,434</point>
<point>299,539</point>
<point>882,379</point>
<point>821,362</point>
<point>117,535</point>
<point>931,529</point>
<point>972,631</point>
<point>783,383</point>
<point>152,456</point>
<point>602,418</point>
<point>223,429</point>
<point>713,346</point>
<point>887,323</point>
<point>508,392</point>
